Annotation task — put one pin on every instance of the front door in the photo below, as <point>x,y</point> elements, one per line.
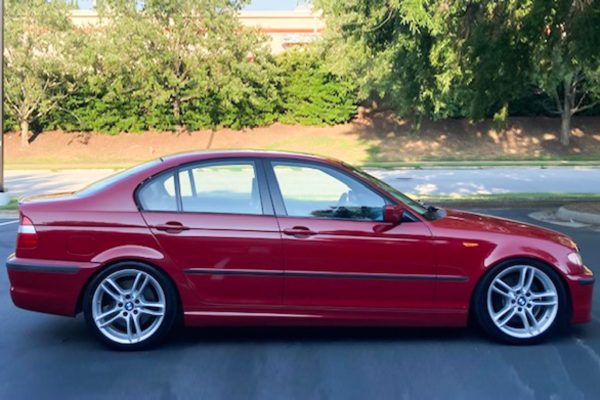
<point>338,251</point>
<point>213,221</point>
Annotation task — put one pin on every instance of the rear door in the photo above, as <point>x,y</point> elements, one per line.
<point>215,220</point>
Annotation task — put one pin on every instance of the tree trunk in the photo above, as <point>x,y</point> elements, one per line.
<point>177,111</point>
<point>24,133</point>
<point>565,127</point>
<point>565,116</point>
<point>210,139</point>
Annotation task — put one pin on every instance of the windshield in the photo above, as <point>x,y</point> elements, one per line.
<point>427,212</point>
<point>108,181</point>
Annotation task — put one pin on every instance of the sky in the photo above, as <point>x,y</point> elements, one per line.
<point>259,5</point>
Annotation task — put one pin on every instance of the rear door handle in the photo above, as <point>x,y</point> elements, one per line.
<point>299,231</point>
<point>171,227</point>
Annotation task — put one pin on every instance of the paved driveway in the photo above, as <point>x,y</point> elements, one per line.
<point>467,181</point>
<point>47,357</point>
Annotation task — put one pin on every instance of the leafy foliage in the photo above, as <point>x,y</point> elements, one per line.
<point>40,57</point>
<point>184,64</point>
<point>469,58</point>
<point>311,94</point>
<point>190,64</point>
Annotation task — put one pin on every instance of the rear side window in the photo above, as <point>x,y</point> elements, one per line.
<point>159,194</point>
<point>224,188</point>
<point>230,188</point>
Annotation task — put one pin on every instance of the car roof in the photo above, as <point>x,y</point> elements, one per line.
<point>182,158</point>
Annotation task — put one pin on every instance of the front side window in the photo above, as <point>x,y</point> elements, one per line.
<point>230,188</point>
<point>321,192</point>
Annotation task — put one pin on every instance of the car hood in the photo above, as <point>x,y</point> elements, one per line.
<point>484,223</point>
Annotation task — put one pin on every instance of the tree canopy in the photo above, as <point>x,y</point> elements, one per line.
<point>191,64</point>
<point>468,58</point>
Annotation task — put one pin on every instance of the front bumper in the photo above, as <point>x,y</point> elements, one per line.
<point>47,286</point>
<point>581,288</point>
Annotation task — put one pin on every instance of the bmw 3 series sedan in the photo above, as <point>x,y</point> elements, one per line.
<point>266,238</point>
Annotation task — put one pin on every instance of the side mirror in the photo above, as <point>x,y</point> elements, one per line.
<point>393,214</point>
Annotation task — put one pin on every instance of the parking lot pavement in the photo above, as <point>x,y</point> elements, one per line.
<point>53,357</point>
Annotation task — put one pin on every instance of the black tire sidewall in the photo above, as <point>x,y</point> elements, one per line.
<point>171,306</point>
<point>484,320</point>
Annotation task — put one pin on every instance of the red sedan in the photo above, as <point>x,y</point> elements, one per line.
<point>240,238</point>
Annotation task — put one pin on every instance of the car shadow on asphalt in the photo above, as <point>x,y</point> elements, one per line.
<point>74,332</point>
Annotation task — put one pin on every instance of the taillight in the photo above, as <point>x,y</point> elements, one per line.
<point>27,236</point>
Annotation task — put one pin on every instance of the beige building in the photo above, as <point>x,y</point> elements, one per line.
<point>284,28</point>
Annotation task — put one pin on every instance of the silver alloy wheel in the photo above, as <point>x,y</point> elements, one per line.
<point>128,306</point>
<point>522,301</point>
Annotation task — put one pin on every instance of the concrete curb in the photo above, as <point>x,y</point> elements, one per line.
<point>506,203</point>
<point>565,214</point>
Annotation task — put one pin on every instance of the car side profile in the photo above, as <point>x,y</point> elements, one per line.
<point>269,238</point>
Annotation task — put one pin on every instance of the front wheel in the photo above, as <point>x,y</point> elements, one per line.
<point>130,306</point>
<point>521,302</point>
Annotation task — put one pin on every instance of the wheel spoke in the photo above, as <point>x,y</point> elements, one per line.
<point>144,310</point>
<point>138,330</point>
<point>523,277</point>
<point>542,295</point>
<point>110,321</point>
<point>508,317</point>
<point>544,299</point>
<point>116,296</point>
<point>501,287</point>
<point>136,281</point>
<point>129,330</point>
<point>525,321</point>
<point>152,305</point>
<point>107,313</point>
<point>534,322</point>
<point>529,279</point>
<point>537,302</point>
<point>143,278</point>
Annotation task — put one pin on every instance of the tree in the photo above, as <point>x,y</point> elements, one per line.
<point>566,57</point>
<point>468,58</point>
<point>552,45</point>
<point>39,54</point>
<point>187,62</point>
<point>396,51</point>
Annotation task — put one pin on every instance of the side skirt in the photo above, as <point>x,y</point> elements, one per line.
<point>313,317</point>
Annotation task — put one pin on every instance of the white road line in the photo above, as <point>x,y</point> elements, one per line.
<point>9,222</point>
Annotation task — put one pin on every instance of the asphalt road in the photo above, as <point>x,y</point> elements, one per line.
<point>44,356</point>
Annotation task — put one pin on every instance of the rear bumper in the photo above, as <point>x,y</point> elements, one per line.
<point>581,288</point>
<point>47,286</point>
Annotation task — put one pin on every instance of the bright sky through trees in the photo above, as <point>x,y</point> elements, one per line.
<point>254,5</point>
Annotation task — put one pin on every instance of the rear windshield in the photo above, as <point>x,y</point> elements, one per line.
<point>109,181</point>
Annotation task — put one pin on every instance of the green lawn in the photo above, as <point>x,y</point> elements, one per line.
<point>14,203</point>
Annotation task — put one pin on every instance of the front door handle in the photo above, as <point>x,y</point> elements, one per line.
<point>171,227</point>
<point>299,231</point>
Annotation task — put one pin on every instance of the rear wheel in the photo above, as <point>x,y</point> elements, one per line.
<point>130,306</point>
<point>521,302</point>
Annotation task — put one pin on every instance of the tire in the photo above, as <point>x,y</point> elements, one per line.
<point>130,306</point>
<point>514,312</point>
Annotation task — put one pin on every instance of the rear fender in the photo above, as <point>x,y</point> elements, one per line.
<point>128,251</point>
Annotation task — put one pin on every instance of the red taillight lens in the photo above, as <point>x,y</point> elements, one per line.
<point>27,236</point>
